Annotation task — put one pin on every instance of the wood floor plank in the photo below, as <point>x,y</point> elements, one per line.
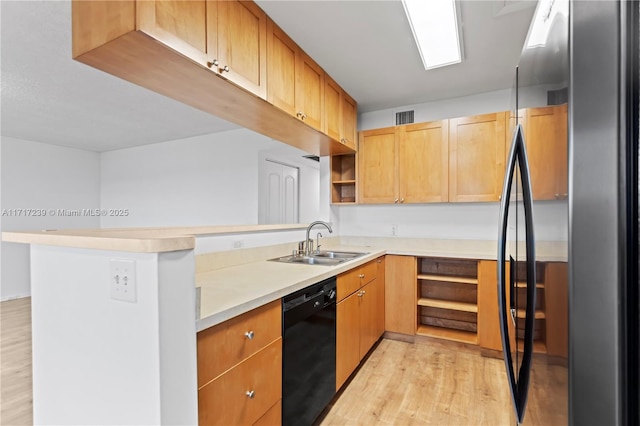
<point>16,403</point>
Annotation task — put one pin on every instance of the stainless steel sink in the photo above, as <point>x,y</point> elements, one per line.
<point>326,258</point>
<point>337,254</point>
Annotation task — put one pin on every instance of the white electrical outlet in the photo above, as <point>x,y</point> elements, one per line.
<point>238,244</point>
<point>122,280</point>
<point>394,230</point>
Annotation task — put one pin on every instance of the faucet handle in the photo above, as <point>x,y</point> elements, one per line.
<point>318,236</point>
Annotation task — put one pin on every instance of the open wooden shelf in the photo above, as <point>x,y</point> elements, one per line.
<point>343,179</point>
<point>448,334</point>
<point>522,314</point>
<point>539,346</point>
<point>448,278</point>
<point>524,285</point>
<point>448,304</point>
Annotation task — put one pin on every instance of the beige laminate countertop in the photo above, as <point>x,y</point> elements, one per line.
<point>228,292</point>
<point>137,240</point>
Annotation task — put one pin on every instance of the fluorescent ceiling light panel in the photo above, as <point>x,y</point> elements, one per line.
<point>435,28</point>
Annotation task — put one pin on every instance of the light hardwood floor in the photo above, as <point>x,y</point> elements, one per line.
<point>16,405</point>
<point>428,382</point>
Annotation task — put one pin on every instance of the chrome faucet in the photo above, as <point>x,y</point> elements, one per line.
<point>309,247</point>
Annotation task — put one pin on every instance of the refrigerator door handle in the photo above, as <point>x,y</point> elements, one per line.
<point>519,389</point>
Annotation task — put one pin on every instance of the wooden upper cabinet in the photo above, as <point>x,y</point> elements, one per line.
<point>545,132</point>
<point>332,109</point>
<point>229,37</point>
<point>477,157</point>
<point>281,69</point>
<point>340,114</point>
<point>242,44</point>
<point>181,25</point>
<point>349,114</point>
<point>309,91</point>
<point>404,164</point>
<point>423,162</point>
<point>377,181</point>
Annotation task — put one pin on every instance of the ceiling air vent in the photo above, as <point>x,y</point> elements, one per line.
<point>404,117</point>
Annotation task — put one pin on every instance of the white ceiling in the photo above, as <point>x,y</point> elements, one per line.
<point>366,46</point>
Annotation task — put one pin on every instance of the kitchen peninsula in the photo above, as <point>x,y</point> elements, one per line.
<point>112,361</point>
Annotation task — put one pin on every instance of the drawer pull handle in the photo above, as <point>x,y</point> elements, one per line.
<point>361,275</point>
<point>251,394</point>
<point>249,335</point>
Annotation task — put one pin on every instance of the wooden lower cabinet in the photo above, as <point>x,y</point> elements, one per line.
<point>359,322</point>
<point>400,294</point>
<point>240,369</point>
<point>347,338</point>
<point>245,393</point>
<point>273,417</point>
<point>551,318</point>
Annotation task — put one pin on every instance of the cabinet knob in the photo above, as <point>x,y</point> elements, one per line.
<point>299,114</point>
<point>225,69</point>
<point>364,292</point>
<point>499,197</point>
<point>561,196</point>
<point>379,260</point>
<point>249,334</point>
<point>395,201</point>
<point>213,63</point>
<point>402,200</point>
<point>360,293</point>
<point>361,275</point>
<point>251,394</point>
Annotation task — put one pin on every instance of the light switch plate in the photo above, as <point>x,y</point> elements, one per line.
<point>122,280</point>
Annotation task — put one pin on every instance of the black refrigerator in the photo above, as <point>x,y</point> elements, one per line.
<point>575,112</point>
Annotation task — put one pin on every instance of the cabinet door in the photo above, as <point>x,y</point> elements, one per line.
<point>181,25</point>
<point>377,182</point>
<point>224,401</point>
<point>400,291</point>
<point>546,140</point>
<point>281,69</point>
<point>347,338</point>
<point>309,91</point>
<point>379,321</point>
<point>476,157</point>
<point>556,299</point>
<point>423,162</point>
<point>349,120</point>
<point>242,45</point>
<point>370,314</point>
<point>488,325</point>
<point>332,109</point>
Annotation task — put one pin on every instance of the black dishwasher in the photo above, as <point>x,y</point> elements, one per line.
<point>308,352</point>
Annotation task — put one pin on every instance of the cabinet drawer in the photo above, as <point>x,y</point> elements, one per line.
<point>225,400</point>
<point>351,281</point>
<point>273,417</point>
<point>223,346</point>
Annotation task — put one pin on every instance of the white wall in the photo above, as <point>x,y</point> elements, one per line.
<point>42,176</point>
<point>203,180</point>
<point>469,221</point>
<point>482,103</point>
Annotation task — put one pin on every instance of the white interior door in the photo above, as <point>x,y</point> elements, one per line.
<point>279,194</point>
